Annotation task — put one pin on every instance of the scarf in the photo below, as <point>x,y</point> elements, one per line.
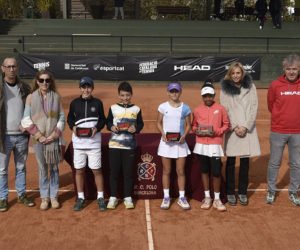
<point>46,122</point>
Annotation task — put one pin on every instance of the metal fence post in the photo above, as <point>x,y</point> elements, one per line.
<point>23,43</point>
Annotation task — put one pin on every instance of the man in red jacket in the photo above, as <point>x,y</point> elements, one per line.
<point>284,105</point>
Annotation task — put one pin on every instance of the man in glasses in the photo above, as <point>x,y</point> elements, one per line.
<point>13,93</point>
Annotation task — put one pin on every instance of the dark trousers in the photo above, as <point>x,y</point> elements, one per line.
<point>276,19</point>
<point>261,18</point>
<point>121,158</point>
<point>217,7</point>
<point>243,175</point>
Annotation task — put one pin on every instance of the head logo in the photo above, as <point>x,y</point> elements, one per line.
<point>146,169</point>
<point>192,67</point>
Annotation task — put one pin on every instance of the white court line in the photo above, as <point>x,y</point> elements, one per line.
<point>149,227</point>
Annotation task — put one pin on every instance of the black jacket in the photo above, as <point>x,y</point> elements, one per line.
<point>228,86</point>
<point>81,109</point>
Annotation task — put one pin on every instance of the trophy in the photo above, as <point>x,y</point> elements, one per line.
<point>84,132</point>
<point>172,137</point>
<point>123,126</point>
<point>205,129</point>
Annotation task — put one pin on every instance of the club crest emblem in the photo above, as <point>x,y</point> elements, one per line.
<point>146,169</point>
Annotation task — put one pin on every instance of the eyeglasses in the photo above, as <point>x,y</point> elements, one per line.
<point>42,80</point>
<point>10,66</point>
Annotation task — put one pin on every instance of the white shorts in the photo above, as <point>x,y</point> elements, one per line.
<point>93,155</point>
<point>173,150</point>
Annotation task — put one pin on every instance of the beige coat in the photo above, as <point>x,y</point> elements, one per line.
<point>241,105</point>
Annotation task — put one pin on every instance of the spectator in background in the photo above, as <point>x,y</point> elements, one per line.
<point>275,10</point>
<point>261,8</point>
<point>239,9</point>
<point>119,6</point>
<point>217,6</point>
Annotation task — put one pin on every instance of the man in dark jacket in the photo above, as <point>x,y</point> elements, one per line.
<point>283,104</point>
<point>13,93</point>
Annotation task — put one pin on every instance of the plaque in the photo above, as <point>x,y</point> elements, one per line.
<point>172,137</point>
<point>84,132</point>
<point>205,129</point>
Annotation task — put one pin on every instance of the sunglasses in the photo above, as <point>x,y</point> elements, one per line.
<point>42,80</point>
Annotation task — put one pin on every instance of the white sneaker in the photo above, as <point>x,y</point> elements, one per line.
<point>45,204</point>
<point>165,203</point>
<point>54,203</point>
<point>128,203</point>
<point>183,203</point>
<point>206,203</point>
<point>219,205</point>
<point>112,203</point>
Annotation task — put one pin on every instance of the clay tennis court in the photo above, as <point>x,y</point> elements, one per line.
<point>257,226</point>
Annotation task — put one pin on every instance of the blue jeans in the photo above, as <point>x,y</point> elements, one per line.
<point>19,145</point>
<point>48,185</point>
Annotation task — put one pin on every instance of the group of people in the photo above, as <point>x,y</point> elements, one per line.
<point>261,8</point>
<point>37,113</point>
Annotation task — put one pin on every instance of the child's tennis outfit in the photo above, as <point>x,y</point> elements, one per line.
<point>173,122</point>
<point>216,116</point>
<point>87,113</point>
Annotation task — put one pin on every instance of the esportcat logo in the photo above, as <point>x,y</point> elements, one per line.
<point>192,67</point>
<point>290,93</point>
<point>42,65</point>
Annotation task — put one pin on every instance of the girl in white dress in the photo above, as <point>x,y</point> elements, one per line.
<point>174,123</point>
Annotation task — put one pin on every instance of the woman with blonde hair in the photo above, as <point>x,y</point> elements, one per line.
<point>239,97</point>
<point>44,119</point>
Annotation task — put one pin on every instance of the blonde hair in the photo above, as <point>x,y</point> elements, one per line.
<point>232,67</point>
<point>52,85</point>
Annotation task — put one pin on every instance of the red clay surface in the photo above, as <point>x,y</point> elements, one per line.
<point>257,226</point>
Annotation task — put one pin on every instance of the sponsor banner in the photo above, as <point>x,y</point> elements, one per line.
<point>135,67</point>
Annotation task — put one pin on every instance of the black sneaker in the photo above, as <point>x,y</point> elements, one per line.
<point>3,205</point>
<point>79,205</point>
<point>24,200</point>
<point>101,204</point>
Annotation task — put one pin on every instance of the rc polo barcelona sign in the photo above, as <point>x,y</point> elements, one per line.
<point>142,68</point>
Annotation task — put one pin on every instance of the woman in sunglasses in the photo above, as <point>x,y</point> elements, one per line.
<point>44,119</point>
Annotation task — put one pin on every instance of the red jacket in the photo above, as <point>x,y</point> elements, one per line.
<point>216,116</point>
<point>284,105</point>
